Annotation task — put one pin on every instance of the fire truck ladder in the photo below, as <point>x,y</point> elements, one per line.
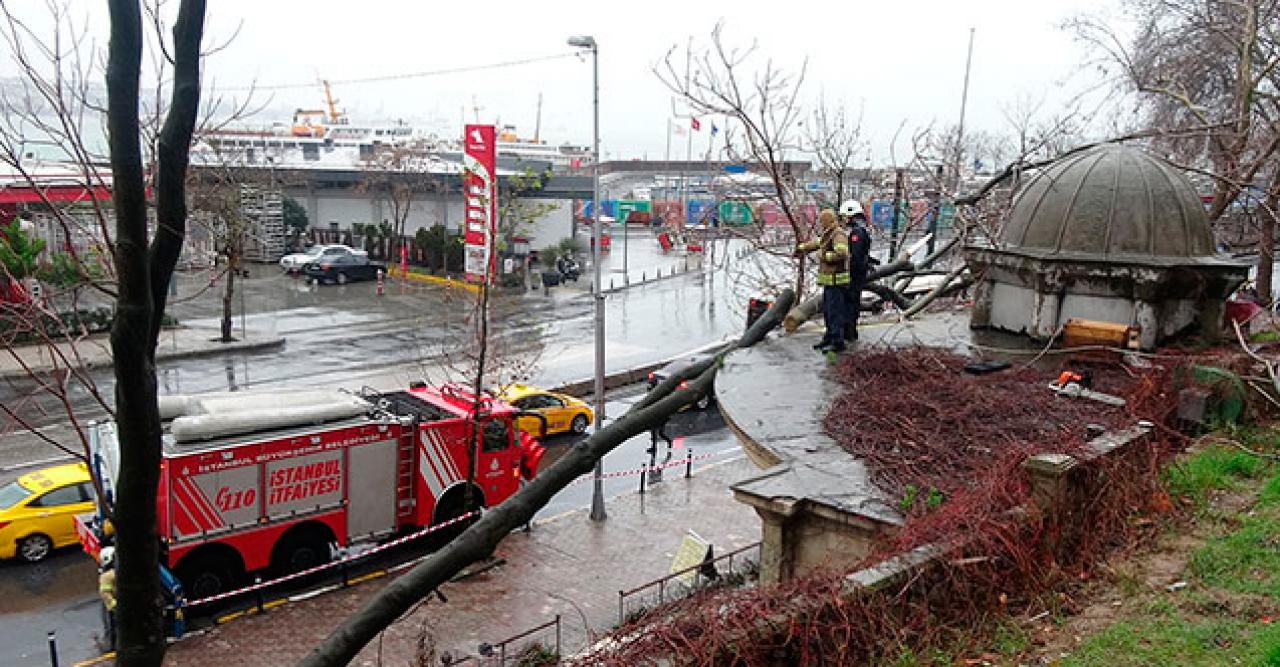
<point>406,462</point>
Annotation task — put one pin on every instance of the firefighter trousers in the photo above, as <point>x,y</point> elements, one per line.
<point>855,307</point>
<point>835,314</point>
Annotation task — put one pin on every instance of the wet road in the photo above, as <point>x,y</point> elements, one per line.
<point>345,336</point>
<point>60,594</point>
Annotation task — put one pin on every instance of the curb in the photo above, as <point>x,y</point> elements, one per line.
<point>161,355</point>
<point>257,345</point>
<point>633,375</point>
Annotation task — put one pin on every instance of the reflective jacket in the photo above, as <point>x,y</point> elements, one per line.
<point>107,588</point>
<point>833,257</point>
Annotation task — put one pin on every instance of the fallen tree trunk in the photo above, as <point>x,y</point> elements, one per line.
<point>481,538</point>
<point>929,261</point>
<point>920,304</point>
<point>811,306</point>
<point>887,293</point>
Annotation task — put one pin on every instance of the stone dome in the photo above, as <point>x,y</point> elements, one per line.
<point>1113,203</point>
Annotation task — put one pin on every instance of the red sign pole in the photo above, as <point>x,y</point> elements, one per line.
<point>479,192</point>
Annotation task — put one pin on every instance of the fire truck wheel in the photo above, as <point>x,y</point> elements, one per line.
<point>34,548</point>
<point>205,577</point>
<point>300,551</point>
<point>579,424</point>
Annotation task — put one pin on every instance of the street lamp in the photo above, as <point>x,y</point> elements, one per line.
<point>589,43</point>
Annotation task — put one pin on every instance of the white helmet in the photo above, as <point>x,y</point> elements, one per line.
<point>850,208</point>
<point>107,556</point>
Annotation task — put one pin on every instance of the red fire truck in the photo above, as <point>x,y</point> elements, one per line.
<point>269,481</point>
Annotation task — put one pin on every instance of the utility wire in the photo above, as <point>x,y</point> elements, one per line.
<point>408,75</point>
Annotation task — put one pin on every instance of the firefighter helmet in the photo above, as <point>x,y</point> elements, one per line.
<point>850,208</point>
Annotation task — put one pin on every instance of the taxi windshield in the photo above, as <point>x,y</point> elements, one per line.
<point>11,494</point>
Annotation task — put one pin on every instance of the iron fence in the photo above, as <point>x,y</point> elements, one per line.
<point>737,563</point>
<point>539,645</point>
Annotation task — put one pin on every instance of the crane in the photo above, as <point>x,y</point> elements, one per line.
<point>334,116</point>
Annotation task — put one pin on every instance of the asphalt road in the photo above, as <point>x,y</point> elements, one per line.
<point>345,336</point>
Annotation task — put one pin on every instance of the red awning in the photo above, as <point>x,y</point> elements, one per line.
<point>60,194</point>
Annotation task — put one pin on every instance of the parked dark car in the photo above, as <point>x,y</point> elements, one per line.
<point>342,268</point>
<point>674,368</point>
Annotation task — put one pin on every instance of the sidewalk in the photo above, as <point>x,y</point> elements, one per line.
<point>566,565</point>
<point>95,351</point>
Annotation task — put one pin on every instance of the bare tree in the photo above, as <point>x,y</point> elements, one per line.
<point>144,268</point>
<point>398,174</point>
<point>764,113</point>
<point>836,142</point>
<point>1212,65</point>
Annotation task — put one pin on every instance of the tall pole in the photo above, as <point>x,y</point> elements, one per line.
<point>597,493</point>
<point>684,179</point>
<point>964,101</point>
<point>667,161</point>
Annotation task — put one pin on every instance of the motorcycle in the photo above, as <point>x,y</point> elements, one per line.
<point>568,268</point>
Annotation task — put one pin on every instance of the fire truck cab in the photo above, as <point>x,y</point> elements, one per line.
<point>268,481</point>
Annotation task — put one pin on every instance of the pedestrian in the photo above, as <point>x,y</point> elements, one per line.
<point>859,261</point>
<point>832,247</point>
<point>656,433</point>
<point>107,591</point>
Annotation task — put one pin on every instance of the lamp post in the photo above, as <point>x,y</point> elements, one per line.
<point>589,43</point>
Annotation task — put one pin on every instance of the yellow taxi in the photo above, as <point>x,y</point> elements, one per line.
<point>564,413</point>
<point>37,511</point>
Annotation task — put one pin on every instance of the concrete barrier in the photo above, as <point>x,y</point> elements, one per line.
<point>394,272</point>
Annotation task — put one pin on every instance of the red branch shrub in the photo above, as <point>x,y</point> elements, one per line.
<point>951,444</point>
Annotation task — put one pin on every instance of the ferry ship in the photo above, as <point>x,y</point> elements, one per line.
<point>327,139</point>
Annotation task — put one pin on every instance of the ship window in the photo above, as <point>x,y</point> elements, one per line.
<point>310,152</point>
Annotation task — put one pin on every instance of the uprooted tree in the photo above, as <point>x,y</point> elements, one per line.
<point>481,538</point>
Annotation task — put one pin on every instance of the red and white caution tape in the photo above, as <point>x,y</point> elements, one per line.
<point>440,526</point>
<point>335,563</point>
<point>648,469</point>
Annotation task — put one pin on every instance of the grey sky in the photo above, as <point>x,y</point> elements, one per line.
<point>905,58</point>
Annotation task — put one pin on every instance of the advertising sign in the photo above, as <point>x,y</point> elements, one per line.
<point>735,213</point>
<point>480,210</point>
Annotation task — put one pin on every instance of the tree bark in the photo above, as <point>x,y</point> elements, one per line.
<point>143,274</point>
<point>233,267</point>
<point>479,540</point>
<point>1267,248</point>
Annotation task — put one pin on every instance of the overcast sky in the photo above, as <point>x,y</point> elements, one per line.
<point>905,58</point>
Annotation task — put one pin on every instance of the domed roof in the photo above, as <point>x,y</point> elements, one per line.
<point>1110,202</point>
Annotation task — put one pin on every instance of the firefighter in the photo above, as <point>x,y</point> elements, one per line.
<point>859,260</point>
<point>107,591</point>
<point>832,247</point>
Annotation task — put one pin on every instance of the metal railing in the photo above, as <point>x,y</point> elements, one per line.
<point>504,653</point>
<point>671,587</point>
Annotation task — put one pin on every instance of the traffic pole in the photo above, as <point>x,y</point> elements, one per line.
<point>380,278</point>
<point>53,648</point>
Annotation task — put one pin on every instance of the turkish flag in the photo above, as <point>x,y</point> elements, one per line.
<point>695,124</point>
